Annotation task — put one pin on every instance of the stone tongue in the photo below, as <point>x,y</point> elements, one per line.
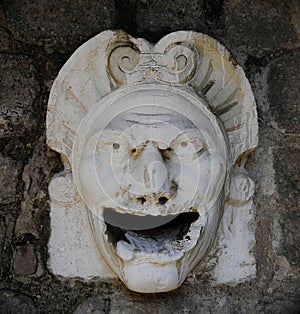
<point>150,244</point>
<point>156,247</point>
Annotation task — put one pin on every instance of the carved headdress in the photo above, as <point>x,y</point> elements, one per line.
<point>185,59</point>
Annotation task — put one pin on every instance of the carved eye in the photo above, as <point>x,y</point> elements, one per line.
<point>187,149</point>
<point>184,144</point>
<point>113,148</point>
<point>119,150</point>
<point>116,146</point>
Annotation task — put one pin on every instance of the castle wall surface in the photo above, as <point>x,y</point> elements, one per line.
<point>36,39</point>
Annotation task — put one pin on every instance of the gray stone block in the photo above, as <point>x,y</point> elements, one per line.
<point>95,305</point>
<point>259,26</point>
<point>155,19</point>
<point>284,92</point>
<point>9,176</point>
<point>56,24</point>
<point>18,92</point>
<point>290,222</point>
<point>14,303</point>
<point>25,260</point>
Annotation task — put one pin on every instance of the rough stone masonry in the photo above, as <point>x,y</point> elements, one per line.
<point>36,39</point>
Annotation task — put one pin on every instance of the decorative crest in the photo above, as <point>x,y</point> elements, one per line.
<point>175,65</point>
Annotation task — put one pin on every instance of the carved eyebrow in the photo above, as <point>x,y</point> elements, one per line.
<point>189,135</point>
<point>148,118</point>
<point>149,122</point>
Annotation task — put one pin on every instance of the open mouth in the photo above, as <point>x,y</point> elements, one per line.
<point>149,234</point>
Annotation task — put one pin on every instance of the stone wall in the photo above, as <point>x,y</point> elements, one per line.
<point>36,39</point>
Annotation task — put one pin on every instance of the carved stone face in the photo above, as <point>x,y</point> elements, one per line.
<point>151,170</point>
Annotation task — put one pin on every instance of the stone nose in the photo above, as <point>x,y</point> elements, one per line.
<point>150,174</point>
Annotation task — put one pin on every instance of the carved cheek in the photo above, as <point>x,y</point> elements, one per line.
<point>194,178</point>
<point>200,179</point>
<point>98,182</point>
<point>110,177</point>
<point>89,186</point>
<point>218,174</point>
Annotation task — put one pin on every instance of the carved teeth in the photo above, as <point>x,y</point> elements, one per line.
<point>125,250</point>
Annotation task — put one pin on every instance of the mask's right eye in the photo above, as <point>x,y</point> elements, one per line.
<point>116,146</point>
<point>113,148</point>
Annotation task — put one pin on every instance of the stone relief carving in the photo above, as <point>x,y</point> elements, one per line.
<point>154,139</point>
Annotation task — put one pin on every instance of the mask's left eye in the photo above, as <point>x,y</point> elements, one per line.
<point>187,148</point>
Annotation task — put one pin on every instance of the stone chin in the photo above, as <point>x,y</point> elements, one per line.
<point>151,277</point>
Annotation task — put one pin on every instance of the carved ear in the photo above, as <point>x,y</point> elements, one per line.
<point>241,187</point>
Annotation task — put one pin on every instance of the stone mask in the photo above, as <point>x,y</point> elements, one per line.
<point>151,161</point>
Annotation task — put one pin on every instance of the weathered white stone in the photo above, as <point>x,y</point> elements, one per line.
<point>236,262</point>
<point>154,141</point>
<point>72,249</point>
